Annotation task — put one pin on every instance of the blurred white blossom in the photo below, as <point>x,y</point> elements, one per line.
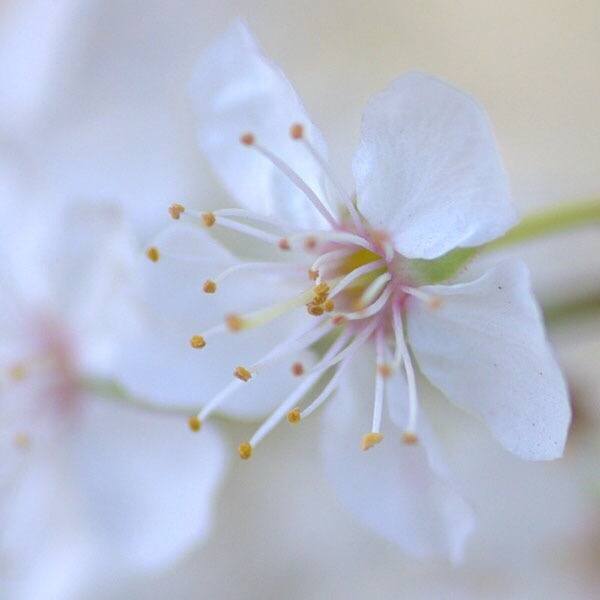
<point>89,488</point>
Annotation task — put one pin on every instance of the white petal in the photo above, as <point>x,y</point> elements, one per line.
<point>157,362</point>
<point>236,90</point>
<point>486,349</point>
<point>400,491</point>
<point>427,169</point>
<point>147,484</point>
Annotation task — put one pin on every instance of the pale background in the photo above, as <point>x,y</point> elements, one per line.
<point>535,65</point>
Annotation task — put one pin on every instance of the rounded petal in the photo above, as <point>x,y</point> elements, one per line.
<point>237,90</point>
<point>401,491</point>
<point>158,364</point>
<point>427,169</point>
<point>485,348</point>
<point>147,484</point>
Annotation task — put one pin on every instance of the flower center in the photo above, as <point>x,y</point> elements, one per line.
<point>358,286</point>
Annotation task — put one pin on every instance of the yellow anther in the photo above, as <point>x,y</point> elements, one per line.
<point>245,450</point>
<point>153,254</point>
<point>234,322</point>
<point>310,243</point>
<point>242,373</point>
<point>314,309</point>
<point>312,275</point>
<point>294,416</point>
<point>435,302</point>
<point>209,287</point>
<point>296,131</point>
<point>247,139</point>
<point>371,439</point>
<point>195,423</point>
<point>208,219</point>
<point>385,369</point>
<point>17,372</point>
<point>297,369</point>
<point>175,210</point>
<point>321,288</point>
<point>328,305</point>
<point>284,244</point>
<point>409,437</point>
<point>339,320</point>
<point>197,341</point>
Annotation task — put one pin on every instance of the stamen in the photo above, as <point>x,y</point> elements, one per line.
<point>339,320</point>
<point>194,423</point>
<point>22,440</point>
<point>242,374</point>
<point>433,302</point>
<point>175,211</point>
<point>370,440</point>
<point>313,275</point>
<point>341,237</point>
<point>314,310</point>
<point>324,395</point>
<point>297,369</point>
<point>214,402</point>
<point>247,139</point>
<point>385,369</point>
<point>408,437</point>
<point>373,290</point>
<point>242,213</point>
<point>294,178</point>
<point>284,244</point>
<point>208,219</point>
<point>355,274</point>
<point>297,133</point>
<point>234,322</point>
<point>153,254</point>
<point>248,230</point>
<point>209,287</point>
<point>254,266</point>
<point>197,341</point>
<point>245,450</point>
<point>332,256</point>
<point>379,384</point>
<point>17,372</point>
<point>401,347</point>
<point>329,305</point>
<point>294,416</point>
<point>372,309</point>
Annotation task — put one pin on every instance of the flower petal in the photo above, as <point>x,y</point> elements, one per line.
<point>427,169</point>
<point>401,491</point>
<point>157,363</point>
<point>147,484</point>
<point>486,349</point>
<point>236,90</point>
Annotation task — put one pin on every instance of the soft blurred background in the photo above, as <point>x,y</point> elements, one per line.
<point>94,106</point>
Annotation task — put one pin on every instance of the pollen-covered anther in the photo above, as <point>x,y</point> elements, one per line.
<point>242,374</point>
<point>297,369</point>
<point>245,450</point>
<point>339,320</point>
<point>410,438</point>
<point>175,211</point>
<point>296,131</point>
<point>312,275</point>
<point>209,287</point>
<point>294,416</point>
<point>328,305</point>
<point>435,302</point>
<point>247,139</point>
<point>284,244</point>
<point>208,219</point>
<point>197,341</point>
<point>194,423</point>
<point>22,440</point>
<point>371,439</point>
<point>314,309</point>
<point>153,254</point>
<point>234,322</point>
<point>385,369</point>
<point>321,288</point>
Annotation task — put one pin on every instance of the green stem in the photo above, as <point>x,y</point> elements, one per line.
<point>550,221</point>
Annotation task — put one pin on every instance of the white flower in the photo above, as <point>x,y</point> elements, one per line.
<point>88,487</point>
<point>428,181</point>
